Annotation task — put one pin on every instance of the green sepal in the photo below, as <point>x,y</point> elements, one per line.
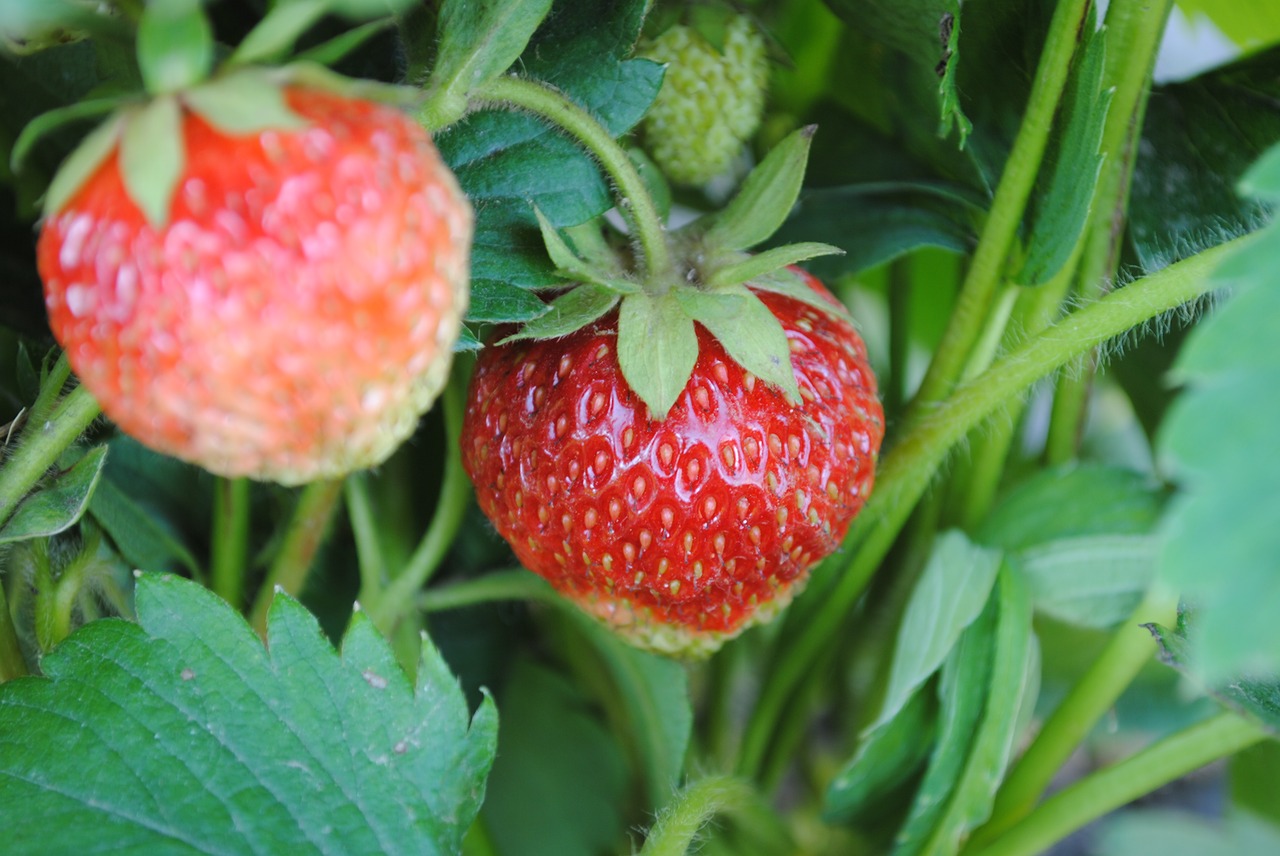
<point>83,163</point>
<point>788,283</point>
<point>316,76</point>
<point>570,266</point>
<point>277,31</point>
<point>46,123</point>
<point>175,46</point>
<point>748,331</point>
<point>744,268</point>
<point>339,47</point>
<point>58,505</point>
<point>242,103</point>
<point>569,313</point>
<point>478,42</point>
<point>657,349</point>
<point>767,196</point>
<point>152,157</point>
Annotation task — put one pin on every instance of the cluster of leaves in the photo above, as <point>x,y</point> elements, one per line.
<point>890,716</point>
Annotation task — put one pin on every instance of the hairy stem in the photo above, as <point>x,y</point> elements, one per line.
<point>364,529</point>
<point>41,443</point>
<point>636,203</point>
<point>1134,30</point>
<point>908,467</point>
<point>1130,648</point>
<point>692,809</point>
<point>12,663</point>
<point>517,584</point>
<point>978,291</point>
<point>230,551</point>
<point>302,541</point>
<point>1109,789</point>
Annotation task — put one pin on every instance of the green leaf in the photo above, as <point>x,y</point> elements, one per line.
<point>1249,25</point>
<point>765,263</point>
<point>175,46</point>
<point>1171,832</point>
<point>750,334</point>
<point>569,312</point>
<point>497,302</point>
<point>140,535</point>
<point>559,778</point>
<point>1256,696</point>
<point>569,266</point>
<point>1062,201</point>
<point>790,284</point>
<point>509,162</point>
<point>657,349</point>
<point>961,698</point>
<point>987,752</point>
<point>1218,444</point>
<point>1091,581</point>
<point>651,704</point>
<point>877,222</point>
<point>887,762</point>
<point>82,164</point>
<point>766,198</point>
<point>1254,778</point>
<point>58,505</point>
<point>951,592</point>
<point>923,33</point>
<point>277,31</point>
<point>295,750</point>
<point>478,42</point>
<point>152,157</point>
<point>1074,501</point>
<point>242,103</point>
<point>1198,139</point>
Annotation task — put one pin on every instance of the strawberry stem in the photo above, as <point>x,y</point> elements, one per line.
<point>388,606</point>
<point>301,543</point>
<point>1130,648</point>
<point>907,469</point>
<point>42,441</point>
<point>12,663</point>
<point>230,539</point>
<point>1106,790</point>
<point>692,809</point>
<point>635,202</point>
<point>1134,29</point>
<point>977,294</point>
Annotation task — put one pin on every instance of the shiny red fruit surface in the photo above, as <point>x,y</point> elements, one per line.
<point>678,533</point>
<point>296,313</point>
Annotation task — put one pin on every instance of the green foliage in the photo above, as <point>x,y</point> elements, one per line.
<point>278,751</point>
<point>896,708</point>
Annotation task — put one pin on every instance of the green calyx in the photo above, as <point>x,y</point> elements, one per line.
<point>716,285</point>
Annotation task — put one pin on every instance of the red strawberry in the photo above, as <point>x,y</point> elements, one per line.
<point>679,533</point>
<point>291,312</point>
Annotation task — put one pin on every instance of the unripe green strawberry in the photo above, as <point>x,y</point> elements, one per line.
<point>292,314</point>
<point>710,102</point>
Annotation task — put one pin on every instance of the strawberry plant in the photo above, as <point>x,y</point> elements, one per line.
<point>552,426</point>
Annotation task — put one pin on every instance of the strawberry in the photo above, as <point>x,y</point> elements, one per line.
<point>285,304</point>
<point>679,532</point>
<point>711,99</point>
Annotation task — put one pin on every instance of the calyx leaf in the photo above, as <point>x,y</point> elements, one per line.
<point>767,196</point>
<point>242,103</point>
<point>742,267</point>
<point>175,45</point>
<point>152,157</point>
<point>789,283</point>
<point>747,330</point>
<point>570,266</point>
<point>568,313</point>
<point>657,349</point>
